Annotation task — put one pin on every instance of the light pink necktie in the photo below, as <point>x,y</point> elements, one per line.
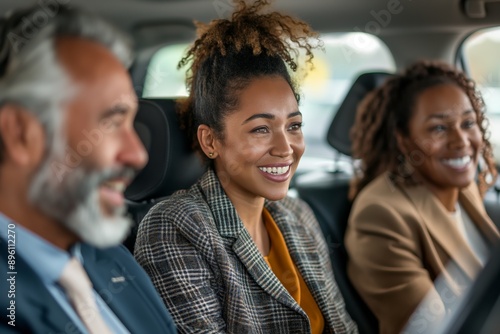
<point>79,290</point>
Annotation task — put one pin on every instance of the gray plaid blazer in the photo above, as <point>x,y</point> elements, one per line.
<point>213,278</point>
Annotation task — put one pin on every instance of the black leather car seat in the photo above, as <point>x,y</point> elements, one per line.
<point>172,164</point>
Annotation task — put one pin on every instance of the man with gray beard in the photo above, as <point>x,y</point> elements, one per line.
<point>68,150</point>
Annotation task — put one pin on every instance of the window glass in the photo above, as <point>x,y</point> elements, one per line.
<point>481,54</point>
<point>345,56</point>
<point>163,79</point>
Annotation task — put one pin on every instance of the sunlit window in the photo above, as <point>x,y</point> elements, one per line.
<point>163,79</point>
<point>481,55</point>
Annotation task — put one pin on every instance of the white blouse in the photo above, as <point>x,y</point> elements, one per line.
<point>471,234</point>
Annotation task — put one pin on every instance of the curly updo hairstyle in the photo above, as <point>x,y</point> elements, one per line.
<point>229,53</point>
<point>388,109</point>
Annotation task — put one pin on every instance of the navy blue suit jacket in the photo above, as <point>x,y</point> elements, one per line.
<point>116,276</point>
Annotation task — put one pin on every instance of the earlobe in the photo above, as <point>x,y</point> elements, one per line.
<point>206,138</point>
<point>21,135</point>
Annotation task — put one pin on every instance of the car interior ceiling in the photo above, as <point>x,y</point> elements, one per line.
<point>412,17</point>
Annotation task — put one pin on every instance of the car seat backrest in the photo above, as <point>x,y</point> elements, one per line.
<point>172,164</point>
<point>492,204</point>
<point>339,132</point>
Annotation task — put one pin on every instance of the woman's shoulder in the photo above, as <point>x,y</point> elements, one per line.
<point>185,199</point>
<point>297,210</point>
<point>384,205</point>
<point>295,206</point>
<point>382,190</point>
<point>387,202</point>
<point>180,208</point>
<point>183,219</point>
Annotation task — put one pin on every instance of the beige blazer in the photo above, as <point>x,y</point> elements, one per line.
<point>400,239</point>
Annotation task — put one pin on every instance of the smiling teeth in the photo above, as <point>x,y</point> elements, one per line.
<point>116,186</point>
<point>275,170</point>
<point>457,163</point>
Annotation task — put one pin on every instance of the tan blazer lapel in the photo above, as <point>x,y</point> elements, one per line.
<point>473,205</point>
<point>443,229</point>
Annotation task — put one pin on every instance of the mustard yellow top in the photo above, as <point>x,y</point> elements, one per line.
<point>281,264</point>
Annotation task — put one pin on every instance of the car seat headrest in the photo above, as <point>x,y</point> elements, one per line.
<point>339,133</point>
<point>172,164</point>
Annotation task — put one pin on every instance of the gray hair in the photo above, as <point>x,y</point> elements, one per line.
<point>32,75</point>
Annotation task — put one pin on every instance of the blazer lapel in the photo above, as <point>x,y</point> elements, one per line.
<point>303,253</point>
<point>126,289</point>
<point>443,229</point>
<point>249,255</point>
<point>118,288</point>
<point>51,316</point>
<point>38,305</point>
<point>232,230</point>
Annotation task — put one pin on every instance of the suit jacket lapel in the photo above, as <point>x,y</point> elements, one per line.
<point>232,230</point>
<point>126,294</point>
<point>303,253</point>
<point>39,307</point>
<point>51,316</point>
<point>118,289</point>
<point>443,229</point>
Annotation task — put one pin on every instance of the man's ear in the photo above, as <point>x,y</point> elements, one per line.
<point>207,140</point>
<point>22,135</point>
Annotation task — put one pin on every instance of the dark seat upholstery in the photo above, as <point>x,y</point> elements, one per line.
<point>338,134</point>
<point>492,204</point>
<point>172,163</point>
<point>327,194</point>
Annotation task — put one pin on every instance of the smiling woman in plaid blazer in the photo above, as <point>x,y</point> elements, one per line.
<point>233,254</point>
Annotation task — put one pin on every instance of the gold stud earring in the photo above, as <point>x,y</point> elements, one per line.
<point>211,154</point>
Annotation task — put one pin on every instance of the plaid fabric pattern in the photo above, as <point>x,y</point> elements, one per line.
<point>213,278</point>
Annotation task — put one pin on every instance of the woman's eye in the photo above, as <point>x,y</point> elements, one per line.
<point>469,124</point>
<point>438,128</point>
<point>296,126</point>
<point>261,129</point>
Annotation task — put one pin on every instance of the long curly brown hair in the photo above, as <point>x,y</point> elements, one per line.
<point>229,53</point>
<point>388,110</point>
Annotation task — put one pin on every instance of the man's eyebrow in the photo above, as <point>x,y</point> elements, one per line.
<point>269,116</point>
<point>119,109</point>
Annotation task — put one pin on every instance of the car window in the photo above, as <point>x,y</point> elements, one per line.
<point>163,79</point>
<point>345,56</point>
<point>480,53</point>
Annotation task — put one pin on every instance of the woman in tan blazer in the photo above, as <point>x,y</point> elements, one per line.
<point>418,208</point>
